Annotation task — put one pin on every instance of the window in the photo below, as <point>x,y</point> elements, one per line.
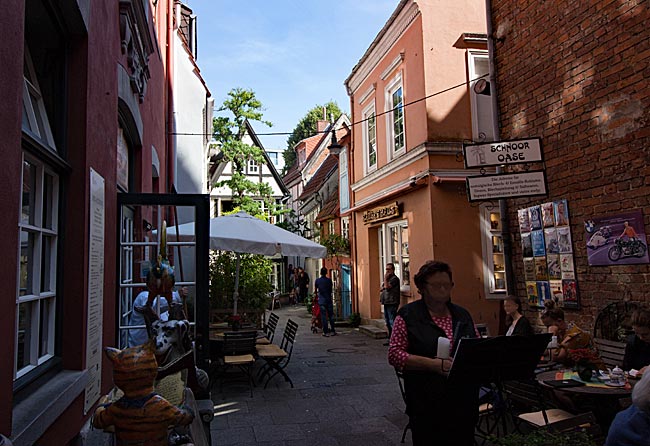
<point>482,117</point>
<point>344,188</point>
<point>35,119</point>
<point>494,269</point>
<point>394,248</point>
<point>370,138</point>
<point>274,156</point>
<point>345,227</point>
<point>395,117</point>
<point>330,227</point>
<point>36,294</point>
<point>253,167</point>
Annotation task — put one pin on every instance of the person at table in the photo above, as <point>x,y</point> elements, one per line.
<point>518,324</point>
<point>440,411</point>
<point>569,337</point>
<point>637,350</point>
<point>631,427</point>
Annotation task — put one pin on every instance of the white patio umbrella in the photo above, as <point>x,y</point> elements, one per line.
<point>243,233</point>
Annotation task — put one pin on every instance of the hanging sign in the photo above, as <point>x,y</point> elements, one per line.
<point>518,151</point>
<point>506,185</point>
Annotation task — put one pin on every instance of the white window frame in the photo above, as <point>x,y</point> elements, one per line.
<point>41,234</point>
<point>491,237</point>
<point>369,140</point>
<point>393,86</point>
<point>386,254</point>
<point>345,227</point>
<point>34,107</point>
<point>253,166</point>
<point>482,125</point>
<point>344,185</point>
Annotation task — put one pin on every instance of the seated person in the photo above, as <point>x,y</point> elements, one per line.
<point>631,427</point>
<point>519,325</point>
<point>569,337</point>
<point>637,350</point>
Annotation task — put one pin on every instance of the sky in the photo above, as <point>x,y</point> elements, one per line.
<point>294,54</point>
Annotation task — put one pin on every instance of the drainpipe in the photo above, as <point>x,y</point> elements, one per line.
<point>171,139</point>
<point>503,205</point>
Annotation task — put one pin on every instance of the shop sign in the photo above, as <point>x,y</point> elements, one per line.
<point>381,213</point>
<point>506,185</point>
<point>500,153</point>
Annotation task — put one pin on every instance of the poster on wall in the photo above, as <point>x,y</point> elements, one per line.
<point>617,239</point>
<point>547,251</point>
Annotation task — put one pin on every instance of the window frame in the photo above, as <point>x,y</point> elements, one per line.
<point>369,115</point>
<point>391,88</point>
<point>490,231</point>
<point>38,296</point>
<point>252,167</point>
<point>387,256</point>
<point>481,130</point>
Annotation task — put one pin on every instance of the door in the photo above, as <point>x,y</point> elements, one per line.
<point>346,301</point>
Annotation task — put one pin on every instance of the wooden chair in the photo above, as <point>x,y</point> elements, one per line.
<point>613,321</point>
<point>400,380</point>
<point>582,422</point>
<point>238,353</point>
<point>527,403</point>
<point>278,357</point>
<point>269,330</point>
<point>611,352</point>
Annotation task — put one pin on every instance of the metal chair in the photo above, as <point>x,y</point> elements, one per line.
<point>278,357</point>
<point>400,380</point>
<point>269,330</point>
<point>238,353</point>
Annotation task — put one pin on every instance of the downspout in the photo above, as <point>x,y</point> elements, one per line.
<point>503,204</point>
<point>171,11</point>
<point>353,226</point>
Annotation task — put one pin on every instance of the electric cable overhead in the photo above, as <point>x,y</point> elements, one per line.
<point>437,93</point>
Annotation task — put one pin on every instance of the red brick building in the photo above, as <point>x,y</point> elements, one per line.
<point>576,76</point>
<point>84,115</point>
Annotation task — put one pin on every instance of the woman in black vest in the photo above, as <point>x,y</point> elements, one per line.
<point>441,412</point>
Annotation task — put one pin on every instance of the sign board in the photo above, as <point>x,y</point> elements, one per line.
<point>381,213</point>
<point>518,151</point>
<point>506,185</point>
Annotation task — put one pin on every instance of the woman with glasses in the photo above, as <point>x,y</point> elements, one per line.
<point>440,411</point>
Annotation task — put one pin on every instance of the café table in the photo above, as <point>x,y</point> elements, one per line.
<point>601,399</point>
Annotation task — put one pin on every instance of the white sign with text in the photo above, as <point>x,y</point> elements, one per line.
<point>502,152</point>
<point>507,185</point>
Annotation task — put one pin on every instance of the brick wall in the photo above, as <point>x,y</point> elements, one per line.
<point>575,74</point>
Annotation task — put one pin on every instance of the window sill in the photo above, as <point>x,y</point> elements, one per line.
<point>38,411</point>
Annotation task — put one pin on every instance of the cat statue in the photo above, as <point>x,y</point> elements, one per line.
<point>141,417</point>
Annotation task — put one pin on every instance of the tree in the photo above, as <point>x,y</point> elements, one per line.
<point>306,127</point>
<point>231,131</point>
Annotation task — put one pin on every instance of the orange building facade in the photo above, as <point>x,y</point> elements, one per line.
<point>413,107</point>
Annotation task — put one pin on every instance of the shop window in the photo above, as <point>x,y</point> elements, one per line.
<point>494,268</point>
<point>394,248</point>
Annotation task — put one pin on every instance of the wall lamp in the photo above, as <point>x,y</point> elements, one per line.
<point>334,148</point>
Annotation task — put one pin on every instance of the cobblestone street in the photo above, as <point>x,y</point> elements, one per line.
<point>345,393</point>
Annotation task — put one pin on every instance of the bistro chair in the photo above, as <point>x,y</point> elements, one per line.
<point>269,330</point>
<point>527,403</point>
<point>276,357</point>
<point>400,380</point>
<point>239,355</point>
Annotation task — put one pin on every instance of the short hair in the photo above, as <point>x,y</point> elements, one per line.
<point>552,312</point>
<point>323,271</point>
<point>390,264</point>
<point>640,317</point>
<point>641,393</point>
<point>428,269</point>
<point>516,300</point>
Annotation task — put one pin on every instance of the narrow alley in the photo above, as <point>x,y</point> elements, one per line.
<point>345,393</point>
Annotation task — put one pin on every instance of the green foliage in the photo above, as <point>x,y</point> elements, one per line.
<point>243,106</point>
<point>543,437</point>
<point>306,127</point>
<point>336,244</point>
<point>355,320</point>
<point>254,285</point>
<point>291,223</point>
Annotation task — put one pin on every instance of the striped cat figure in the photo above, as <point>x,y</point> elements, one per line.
<point>141,417</point>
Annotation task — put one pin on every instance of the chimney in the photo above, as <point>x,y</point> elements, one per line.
<point>321,125</point>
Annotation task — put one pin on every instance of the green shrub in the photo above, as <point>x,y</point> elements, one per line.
<point>355,319</point>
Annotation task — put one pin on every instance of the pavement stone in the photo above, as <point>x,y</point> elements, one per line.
<point>345,393</point>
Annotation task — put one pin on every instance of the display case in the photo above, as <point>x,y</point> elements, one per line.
<point>493,253</point>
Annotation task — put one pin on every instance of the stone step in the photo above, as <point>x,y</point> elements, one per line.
<point>373,331</point>
<point>380,323</point>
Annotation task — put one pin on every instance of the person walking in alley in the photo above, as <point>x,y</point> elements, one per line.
<point>389,297</point>
<point>323,289</point>
<point>303,285</point>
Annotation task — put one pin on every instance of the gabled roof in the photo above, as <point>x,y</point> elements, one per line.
<point>330,207</point>
<point>325,170</point>
<point>292,174</point>
<point>269,163</point>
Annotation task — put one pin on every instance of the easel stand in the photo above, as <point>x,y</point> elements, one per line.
<point>492,361</point>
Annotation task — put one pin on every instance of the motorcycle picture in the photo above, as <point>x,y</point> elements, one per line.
<point>626,248</point>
